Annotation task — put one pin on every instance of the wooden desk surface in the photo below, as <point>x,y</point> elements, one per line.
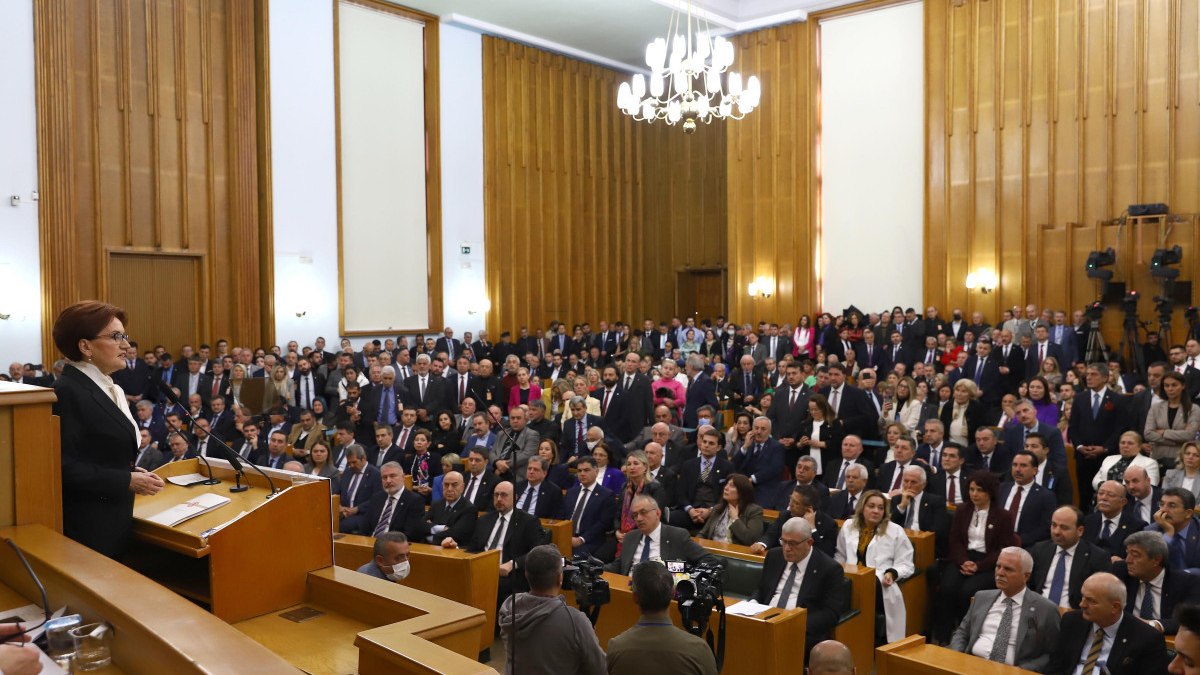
<point>324,644</point>
<point>155,630</point>
<point>912,656</point>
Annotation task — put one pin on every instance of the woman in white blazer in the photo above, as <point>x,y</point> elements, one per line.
<point>1172,421</point>
<point>871,539</point>
<point>1186,474</point>
<point>1130,449</point>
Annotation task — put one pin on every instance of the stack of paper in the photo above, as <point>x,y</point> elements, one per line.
<point>193,507</point>
<point>746,608</point>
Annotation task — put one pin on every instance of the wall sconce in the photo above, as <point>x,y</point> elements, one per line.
<point>761,287</point>
<point>985,280</point>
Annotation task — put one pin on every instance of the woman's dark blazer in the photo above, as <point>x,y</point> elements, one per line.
<point>999,534</point>
<point>975,417</point>
<point>98,451</point>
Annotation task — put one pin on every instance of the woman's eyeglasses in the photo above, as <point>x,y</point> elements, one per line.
<point>115,336</point>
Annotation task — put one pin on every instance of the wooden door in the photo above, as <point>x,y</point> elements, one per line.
<point>161,295</point>
<point>700,294</point>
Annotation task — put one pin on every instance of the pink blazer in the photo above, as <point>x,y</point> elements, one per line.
<point>514,395</point>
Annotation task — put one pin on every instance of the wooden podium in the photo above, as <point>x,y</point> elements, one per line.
<point>913,656</point>
<point>268,558</point>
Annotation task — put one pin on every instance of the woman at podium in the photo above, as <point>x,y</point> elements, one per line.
<point>99,435</point>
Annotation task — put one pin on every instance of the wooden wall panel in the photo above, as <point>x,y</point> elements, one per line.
<point>771,205</point>
<point>147,144</point>
<point>587,214</point>
<point>1045,119</point>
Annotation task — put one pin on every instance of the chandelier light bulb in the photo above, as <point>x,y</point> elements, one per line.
<point>735,84</point>
<point>656,85</point>
<point>639,86</point>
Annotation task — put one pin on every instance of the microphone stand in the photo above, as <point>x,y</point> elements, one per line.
<point>232,457</point>
<point>512,442</point>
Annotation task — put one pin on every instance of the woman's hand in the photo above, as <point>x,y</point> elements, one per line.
<point>733,511</point>
<point>142,482</point>
<point>888,579</point>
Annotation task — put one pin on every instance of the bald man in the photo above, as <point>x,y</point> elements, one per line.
<point>452,516</point>
<point>1100,632</point>
<point>831,658</point>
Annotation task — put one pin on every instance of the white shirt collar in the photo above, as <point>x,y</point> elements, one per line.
<point>106,383</point>
<point>1018,597</point>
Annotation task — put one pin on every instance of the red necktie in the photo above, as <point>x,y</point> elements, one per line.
<point>404,439</point>
<point>951,499</point>
<point>1015,505</point>
<point>216,386</point>
<point>899,473</point>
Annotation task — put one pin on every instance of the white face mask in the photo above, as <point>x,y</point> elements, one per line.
<point>703,421</point>
<point>591,445</point>
<point>399,571</point>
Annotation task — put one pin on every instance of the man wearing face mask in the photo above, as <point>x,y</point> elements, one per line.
<point>391,557</point>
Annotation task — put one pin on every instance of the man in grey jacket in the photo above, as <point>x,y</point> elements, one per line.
<point>1011,624</point>
<point>545,635</point>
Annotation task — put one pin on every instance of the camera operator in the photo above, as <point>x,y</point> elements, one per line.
<point>545,642</point>
<point>654,645</point>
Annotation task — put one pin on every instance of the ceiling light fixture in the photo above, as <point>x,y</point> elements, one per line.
<point>689,86</point>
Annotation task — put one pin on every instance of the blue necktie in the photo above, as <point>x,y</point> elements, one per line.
<point>1095,405</point>
<point>1147,611</point>
<point>646,551</point>
<point>1060,578</point>
<point>1106,532</point>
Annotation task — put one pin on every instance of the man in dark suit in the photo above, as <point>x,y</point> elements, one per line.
<point>842,503</point>
<point>869,354</point>
<point>190,380</point>
<point>852,453</point>
<point>917,509</point>
<point>655,540</point>
<point>384,450</point>
<point>309,384</point>
<point>1027,423</point>
<point>605,340</point>
<point>745,385</point>
<point>761,458</point>
<point>1180,527</point>
<point>1061,564</point>
<point>984,370</point>
<point>563,343</point>
<point>930,355</point>
<point>479,481</point>
<point>215,383</point>
<point>449,344</point>
<point>425,390</point>
<point>789,409</point>
<point>1098,418</point>
<point>1041,349</point>
<point>700,390</point>
<point>1103,632</point>
<point>1063,335</point>
<point>1110,525</point>
<point>951,482</point>
<point>988,454</point>
<point>1054,478</point>
<point>700,482</point>
<point>619,419</point>
<point>482,348</point>
<point>895,353</point>
<point>537,496</point>
<point>798,575</point>
<point>638,398</point>
<point>662,474</point>
<point>276,453</point>
<point>461,383</point>
<point>452,516</point>
<point>1146,572</point>
<point>1144,497</point>
<point>851,404</point>
<point>1029,504</point>
<point>805,471</point>
<point>802,504</point>
<point>891,474</point>
<point>395,509</point>
<point>590,507</point>
<point>510,530</point>
<point>574,433</point>
<point>1011,360</point>
<point>134,378</point>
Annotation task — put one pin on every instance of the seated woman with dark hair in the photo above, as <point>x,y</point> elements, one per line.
<point>737,519</point>
<point>981,528</point>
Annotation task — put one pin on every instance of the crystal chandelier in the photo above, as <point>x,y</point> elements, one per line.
<point>693,84</point>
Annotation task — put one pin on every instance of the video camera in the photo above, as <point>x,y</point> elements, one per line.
<point>698,589</point>
<point>585,576</point>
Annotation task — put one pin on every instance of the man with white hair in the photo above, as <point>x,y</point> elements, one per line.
<point>1098,637</point>
<point>425,391</point>
<point>1011,624</point>
<point>798,575</point>
<point>916,509</point>
<point>842,504</point>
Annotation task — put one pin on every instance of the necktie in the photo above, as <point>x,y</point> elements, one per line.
<point>1041,353</point>
<point>471,488</point>
<point>527,499</point>
<point>705,471</point>
<point>792,402</point>
<point>604,403</point>
<point>628,382</point>
<point>422,388</point>
<point>1089,664</point>
<point>1147,609</point>
<point>837,399</point>
<point>910,516</point>
<point>1106,531</point>
<point>462,388</point>
<point>385,518</point>
<point>951,498</point>
<point>929,356</point>
<point>1015,506</point>
<point>748,390</point>
<point>786,593</point>
<point>404,438</point>
<point>899,473</point>
<point>646,550</point>
<point>1060,578</point>
<point>841,481</point>
<point>583,495</point>
<point>389,406</point>
<point>580,445</point>
<point>1095,404</point>
<point>1003,631</point>
<point>850,506</point>
<point>978,371</point>
<point>496,538</point>
<point>304,388</point>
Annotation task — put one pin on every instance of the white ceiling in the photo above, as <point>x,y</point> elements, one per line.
<point>611,32</point>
